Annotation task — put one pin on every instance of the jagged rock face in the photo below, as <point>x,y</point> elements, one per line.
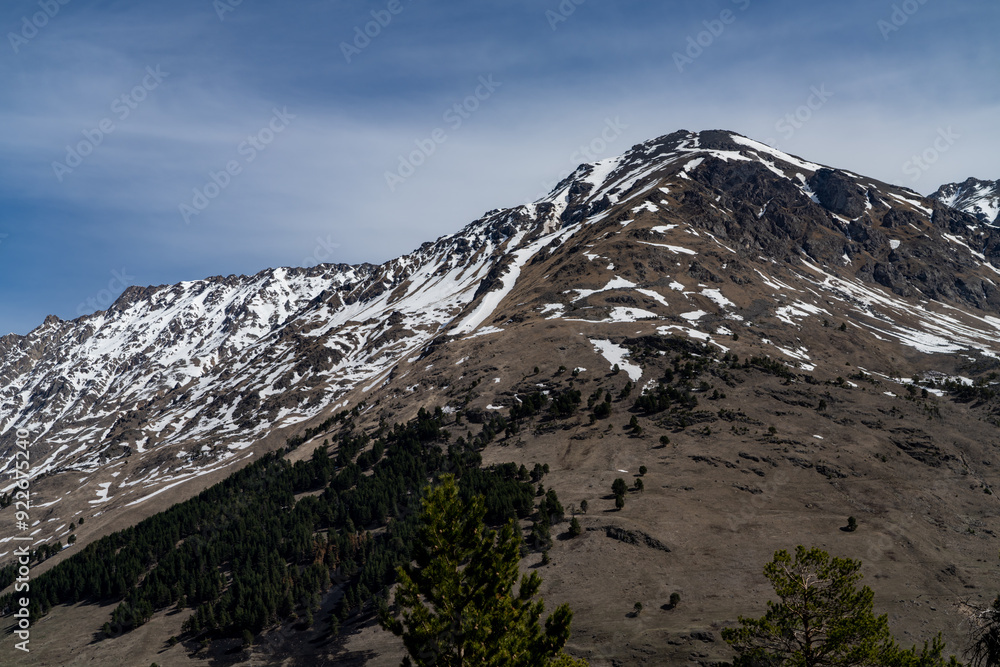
<point>973,196</point>
<point>839,193</point>
<point>690,233</point>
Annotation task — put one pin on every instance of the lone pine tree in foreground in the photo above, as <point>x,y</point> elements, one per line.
<point>822,619</point>
<point>456,600</point>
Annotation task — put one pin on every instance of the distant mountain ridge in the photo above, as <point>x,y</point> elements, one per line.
<point>207,367</point>
<point>974,196</point>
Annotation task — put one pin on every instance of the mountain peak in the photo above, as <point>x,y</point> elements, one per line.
<point>681,147</point>
<point>974,196</point>
<point>593,187</point>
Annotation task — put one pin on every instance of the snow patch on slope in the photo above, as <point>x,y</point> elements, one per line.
<point>616,354</point>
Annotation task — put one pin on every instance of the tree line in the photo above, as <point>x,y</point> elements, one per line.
<point>251,551</point>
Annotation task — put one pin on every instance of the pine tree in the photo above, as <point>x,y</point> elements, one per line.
<point>822,619</point>
<point>457,600</point>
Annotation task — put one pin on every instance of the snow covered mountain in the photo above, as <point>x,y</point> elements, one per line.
<point>836,340</point>
<point>979,198</point>
<point>693,234</point>
<point>176,380</point>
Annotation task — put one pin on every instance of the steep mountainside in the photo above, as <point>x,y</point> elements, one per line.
<point>173,381</point>
<point>796,343</point>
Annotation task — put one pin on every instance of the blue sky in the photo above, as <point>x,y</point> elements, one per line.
<point>113,114</point>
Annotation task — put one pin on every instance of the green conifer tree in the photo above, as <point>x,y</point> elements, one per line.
<point>457,601</point>
<point>822,619</point>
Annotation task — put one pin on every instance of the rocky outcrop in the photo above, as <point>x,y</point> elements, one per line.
<point>839,193</point>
